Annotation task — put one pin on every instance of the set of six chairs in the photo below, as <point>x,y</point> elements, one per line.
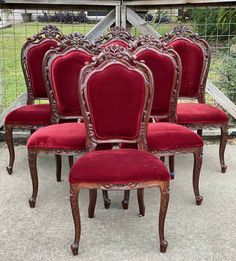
<point>116,102</point>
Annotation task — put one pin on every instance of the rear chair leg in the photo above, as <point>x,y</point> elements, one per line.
<point>74,202</point>
<point>162,158</point>
<point>164,189</point>
<point>223,142</point>
<point>196,175</point>
<point>107,201</point>
<point>199,132</point>
<point>92,202</point>
<point>172,166</point>
<point>11,150</point>
<point>32,157</point>
<point>125,201</point>
<point>58,167</point>
<point>71,160</point>
<point>140,194</point>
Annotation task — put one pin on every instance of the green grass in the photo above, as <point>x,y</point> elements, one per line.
<point>12,39</point>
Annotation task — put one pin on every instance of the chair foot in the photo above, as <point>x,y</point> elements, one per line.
<point>223,168</point>
<point>75,249</point>
<point>9,170</point>
<point>125,204</point>
<point>163,246</point>
<point>32,202</point>
<point>106,200</point>
<point>199,200</point>
<point>172,175</point>
<point>107,203</point>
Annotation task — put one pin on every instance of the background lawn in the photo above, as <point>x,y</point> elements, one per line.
<point>12,39</point>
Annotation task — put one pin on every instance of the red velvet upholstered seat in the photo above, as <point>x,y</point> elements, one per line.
<point>200,113</point>
<point>164,136</point>
<point>118,166</point>
<point>65,136</point>
<point>34,114</point>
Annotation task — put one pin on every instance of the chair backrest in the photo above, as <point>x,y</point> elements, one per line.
<point>165,66</point>
<point>62,67</point>
<point>32,54</point>
<point>195,57</point>
<point>116,35</point>
<point>116,98</point>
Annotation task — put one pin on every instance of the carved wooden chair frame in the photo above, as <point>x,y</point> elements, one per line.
<point>48,32</point>
<point>70,43</point>
<point>186,33</point>
<point>118,55</point>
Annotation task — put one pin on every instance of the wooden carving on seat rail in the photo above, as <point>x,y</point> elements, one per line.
<point>48,32</point>
<point>149,42</point>
<point>185,32</point>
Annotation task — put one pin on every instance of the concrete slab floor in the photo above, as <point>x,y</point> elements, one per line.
<point>206,232</point>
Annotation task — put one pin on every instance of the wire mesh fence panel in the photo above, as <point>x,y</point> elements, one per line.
<point>216,24</point>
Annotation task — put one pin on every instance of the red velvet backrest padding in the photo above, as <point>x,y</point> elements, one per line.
<point>115,42</point>
<point>34,61</point>
<point>192,59</point>
<point>65,71</point>
<point>116,97</point>
<point>163,71</point>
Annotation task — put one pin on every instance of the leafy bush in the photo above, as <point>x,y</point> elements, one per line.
<point>214,23</point>
<point>227,76</point>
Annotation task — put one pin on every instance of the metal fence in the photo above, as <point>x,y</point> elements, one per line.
<point>216,24</point>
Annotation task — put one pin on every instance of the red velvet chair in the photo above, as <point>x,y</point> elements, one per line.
<point>62,67</point>
<point>32,116</point>
<point>164,137</point>
<point>195,56</point>
<point>116,101</point>
<point>117,35</point>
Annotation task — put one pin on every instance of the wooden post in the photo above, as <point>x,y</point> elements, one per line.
<point>102,26</point>
<point>118,15</point>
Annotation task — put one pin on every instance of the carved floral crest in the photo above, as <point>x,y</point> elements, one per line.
<point>148,40</point>
<point>49,31</point>
<point>182,31</point>
<point>116,32</point>
<point>114,52</point>
<point>76,40</point>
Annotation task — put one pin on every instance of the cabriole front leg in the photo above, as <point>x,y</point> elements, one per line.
<point>223,142</point>
<point>32,157</point>
<point>74,202</point>
<point>196,175</point>
<point>164,189</point>
<point>11,150</point>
